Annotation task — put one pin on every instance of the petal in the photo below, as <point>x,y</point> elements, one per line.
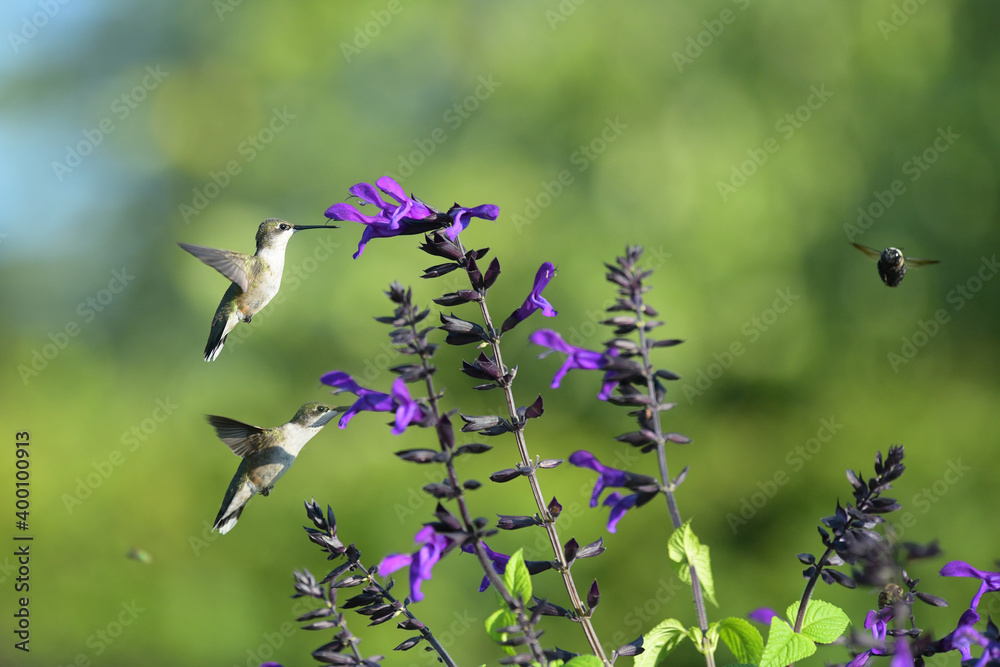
<point>551,339</point>
<point>342,381</point>
<point>347,213</point>
<point>619,509</point>
<point>959,568</point>
<point>762,615</point>
<point>394,562</point>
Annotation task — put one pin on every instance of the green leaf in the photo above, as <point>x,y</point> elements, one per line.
<point>500,619</point>
<point>743,639</point>
<point>659,642</point>
<point>784,646</point>
<point>823,622</point>
<point>686,550</point>
<point>583,661</point>
<point>516,577</point>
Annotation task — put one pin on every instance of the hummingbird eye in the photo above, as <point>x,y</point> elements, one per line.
<point>283,227</point>
<point>321,408</point>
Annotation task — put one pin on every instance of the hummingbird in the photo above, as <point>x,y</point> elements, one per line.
<point>256,278</point>
<point>267,454</point>
<point>891,263</point>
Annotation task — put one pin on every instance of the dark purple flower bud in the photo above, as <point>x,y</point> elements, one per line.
<point>593,595</point>
<point>509,522</point>
<point>555,509</point>
<point>535,300</point>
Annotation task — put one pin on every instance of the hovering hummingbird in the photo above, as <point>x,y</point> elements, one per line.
<point>891,263</point>
<point>256,278</point>
<point>267,454</point>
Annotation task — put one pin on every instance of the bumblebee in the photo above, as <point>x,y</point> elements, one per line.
<point>890,594</point>
<point>891,263</point>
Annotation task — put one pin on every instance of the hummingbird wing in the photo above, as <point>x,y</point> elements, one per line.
<point>871,252</point>
<point>229,263</point>
<point>242,439</point>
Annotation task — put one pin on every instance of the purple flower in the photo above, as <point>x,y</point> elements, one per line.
<point>862,658</point>
<point>878,622</point>
<point>619,505</point>
<point>762,615</point>
<point>535,300</point>
<point>644,486</point>
<point>498,559</point>
<point>460,214</point>
<point>958,639</point>
<point>959,568</point>
<point>579,357</point>
<point>901,655</point>
<point>407,410</point>
<point>405,215</point>
<point>420,562</point>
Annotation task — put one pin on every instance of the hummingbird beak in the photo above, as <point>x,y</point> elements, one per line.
<point>326,418</point>
<point>299,228</point>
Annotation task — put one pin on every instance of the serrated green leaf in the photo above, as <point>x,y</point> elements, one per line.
<point>583,661</point>
<point>516,577</point>
<point>659,642</point>
<point>686,550</point>
<point>822,623</point>
<point>784,646</point>
<point>742,639</point>
<point>555,663</point>
<point>500,619</point>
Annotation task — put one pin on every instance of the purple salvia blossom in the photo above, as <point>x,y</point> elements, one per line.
<point>579,358</point>
<point>407,410</point>
<point>535,300</point>
<point>420,562</point>
<point>959,568</point>
<point>406,215</point>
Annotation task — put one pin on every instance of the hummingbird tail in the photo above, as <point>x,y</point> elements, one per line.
<point>225,523</point>
<point>216,339</point>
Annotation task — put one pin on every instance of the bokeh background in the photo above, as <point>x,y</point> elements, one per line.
<point>743,143</point>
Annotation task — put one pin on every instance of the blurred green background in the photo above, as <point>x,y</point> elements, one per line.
<point>743,143</point>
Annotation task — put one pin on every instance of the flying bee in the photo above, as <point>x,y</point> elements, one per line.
<point>890,594</point>
<point>891,263</point>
